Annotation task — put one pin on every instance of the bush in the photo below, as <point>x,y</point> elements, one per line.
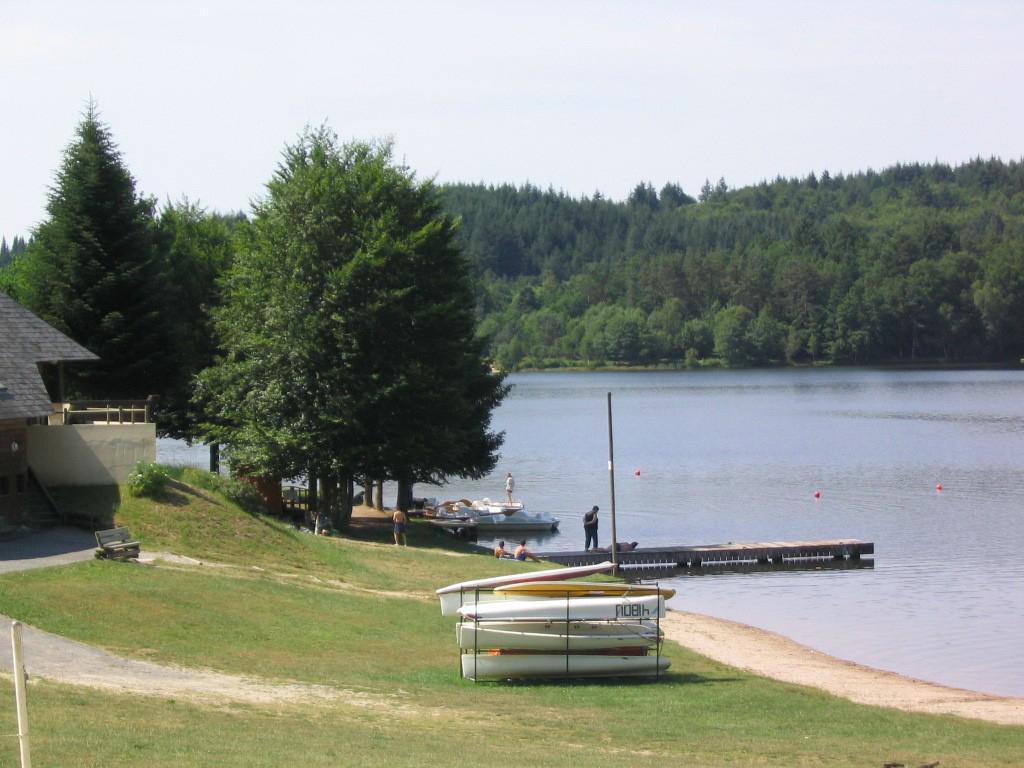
<point>147,480</point>
<point>240,492</point>
<point>243,494</point>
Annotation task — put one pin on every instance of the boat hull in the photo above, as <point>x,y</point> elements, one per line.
<point>565,589</point>
<point>555,636</point>
<point>532,576</point>
<point>480,666</point>
<point>571,609</point>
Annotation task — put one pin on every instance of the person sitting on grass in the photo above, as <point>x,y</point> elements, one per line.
<point>500,551</point>
<point>522,553</point>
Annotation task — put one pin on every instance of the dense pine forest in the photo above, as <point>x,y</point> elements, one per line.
<point>916,263</point>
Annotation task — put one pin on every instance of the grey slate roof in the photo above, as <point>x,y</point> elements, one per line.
<point>25,341</point>
<point>29,338</point>
<point>22,394</point>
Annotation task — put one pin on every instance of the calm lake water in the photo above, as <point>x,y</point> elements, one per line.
<point>738,455</point>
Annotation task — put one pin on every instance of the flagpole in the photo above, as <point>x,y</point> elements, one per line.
<point>611,482</point>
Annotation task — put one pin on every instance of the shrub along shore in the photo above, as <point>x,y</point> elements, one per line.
<point>357,615</point>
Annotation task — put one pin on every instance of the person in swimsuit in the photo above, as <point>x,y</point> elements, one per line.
<point>510,485</point>
<point>522,553</point>
<point>401,523</point>
<point>500,551</point>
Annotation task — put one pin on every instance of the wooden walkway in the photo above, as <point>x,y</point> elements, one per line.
<point>766,553</point>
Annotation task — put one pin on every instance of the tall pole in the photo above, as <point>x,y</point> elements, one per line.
<point>19,694</point>
<point>611,481</point>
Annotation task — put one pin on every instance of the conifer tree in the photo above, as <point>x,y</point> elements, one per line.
<point>93,268</point>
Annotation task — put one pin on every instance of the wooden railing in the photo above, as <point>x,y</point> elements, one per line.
<point>109,411</point>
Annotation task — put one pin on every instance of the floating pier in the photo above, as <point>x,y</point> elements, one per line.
<point>708,555</point>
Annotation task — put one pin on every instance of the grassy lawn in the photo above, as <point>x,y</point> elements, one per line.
<point>320,624</point>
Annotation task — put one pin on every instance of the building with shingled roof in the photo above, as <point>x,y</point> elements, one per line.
<point>40,445</point>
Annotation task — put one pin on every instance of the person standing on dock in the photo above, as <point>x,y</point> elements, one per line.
<point>590,527</point>
<point>510,485</point>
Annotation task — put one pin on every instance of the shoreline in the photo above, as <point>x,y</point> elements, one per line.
<point>777,657</point>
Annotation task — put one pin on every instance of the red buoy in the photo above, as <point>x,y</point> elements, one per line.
<point>817,494</point>
<point>938,486</point>
<point>636,472</point>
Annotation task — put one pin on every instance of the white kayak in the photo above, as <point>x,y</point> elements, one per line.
<point>482,666</point>
<point>572,609</point>
<point>455,596</point>
<point>555,635</point>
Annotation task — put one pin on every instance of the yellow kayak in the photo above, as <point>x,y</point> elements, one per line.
<point>582,589</point>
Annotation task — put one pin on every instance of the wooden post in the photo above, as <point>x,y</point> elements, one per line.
<point>312,494</point>
<point>611,482</point>
<point>19,694</point>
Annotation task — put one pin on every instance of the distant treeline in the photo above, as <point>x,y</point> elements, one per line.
<point>917,263</point>
<point>914,263</point>
<point>9,252</point>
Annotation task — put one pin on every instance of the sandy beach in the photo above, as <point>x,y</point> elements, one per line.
<point>771,655</point>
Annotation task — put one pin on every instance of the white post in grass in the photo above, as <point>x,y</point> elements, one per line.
<point>19,694</point>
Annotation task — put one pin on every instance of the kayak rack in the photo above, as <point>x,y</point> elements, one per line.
<point>568,652</point>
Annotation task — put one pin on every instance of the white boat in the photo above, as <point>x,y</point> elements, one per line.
<point>455,595</point>
<point>483,666</point>
<point>571,609</point>
<point>496,516</point>
<point>556,635</point>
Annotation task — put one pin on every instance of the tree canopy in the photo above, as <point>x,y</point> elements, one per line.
<point>916,262</point>
<point>92,269</point>
<point>348,329</point>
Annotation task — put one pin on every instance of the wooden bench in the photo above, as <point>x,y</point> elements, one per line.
<point>116,544</point>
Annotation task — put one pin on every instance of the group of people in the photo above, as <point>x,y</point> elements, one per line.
<point>520,552</point>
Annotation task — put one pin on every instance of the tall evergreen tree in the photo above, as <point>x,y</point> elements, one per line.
<point>93,269</point>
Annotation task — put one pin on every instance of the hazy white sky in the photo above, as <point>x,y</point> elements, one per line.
<point>582,96</point>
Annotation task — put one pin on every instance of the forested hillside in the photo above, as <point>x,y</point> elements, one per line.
<point>917,262</point>
<point>914,263</point>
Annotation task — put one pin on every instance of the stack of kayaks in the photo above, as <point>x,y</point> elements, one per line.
<point>540,624</point>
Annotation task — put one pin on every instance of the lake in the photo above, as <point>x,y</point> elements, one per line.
<point>706,457</point>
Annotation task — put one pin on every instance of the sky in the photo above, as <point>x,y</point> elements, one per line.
<point>201,97</point>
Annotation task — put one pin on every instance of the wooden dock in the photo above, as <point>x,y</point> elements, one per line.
<point>765,553</point>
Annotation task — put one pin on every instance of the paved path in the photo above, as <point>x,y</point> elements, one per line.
<point>54,546</point>
<point>66,661</point>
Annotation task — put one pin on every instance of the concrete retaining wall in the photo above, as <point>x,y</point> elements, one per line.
<point>89,454</point>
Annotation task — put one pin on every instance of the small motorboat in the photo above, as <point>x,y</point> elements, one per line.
<point>496,516</point>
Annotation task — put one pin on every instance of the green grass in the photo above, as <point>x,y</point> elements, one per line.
<point>304,626</point>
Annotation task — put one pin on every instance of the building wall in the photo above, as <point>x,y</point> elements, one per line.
<point>89,454</point>
<point>13,467</point>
